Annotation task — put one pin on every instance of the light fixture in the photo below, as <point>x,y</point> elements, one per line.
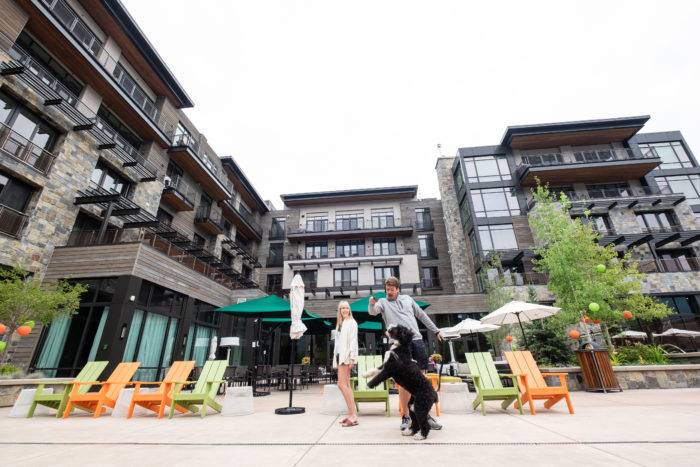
<point>122,334</point>
<point>132,298</point>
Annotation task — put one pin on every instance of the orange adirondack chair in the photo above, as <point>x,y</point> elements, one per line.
<point>159,400</point>
<point>107,396</point>
<point>532,384</point>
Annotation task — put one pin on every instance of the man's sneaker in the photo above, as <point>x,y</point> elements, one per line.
<point>434,425</point>
<point>405,422</point>
<point>407,432</point>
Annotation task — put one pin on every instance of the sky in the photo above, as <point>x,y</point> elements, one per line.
<point>314,95</point>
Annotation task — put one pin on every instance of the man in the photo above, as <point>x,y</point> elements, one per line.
<point>402,310</point>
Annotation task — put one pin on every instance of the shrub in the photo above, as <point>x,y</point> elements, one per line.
<point>639,354</point>
<point>9,370</point>
<point>548,344</point>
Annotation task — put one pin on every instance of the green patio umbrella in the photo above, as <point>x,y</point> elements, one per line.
<point>314,323</point>
<point>359,308</point>
<point>371,326</point>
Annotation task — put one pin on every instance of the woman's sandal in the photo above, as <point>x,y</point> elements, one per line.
<point>347,423</point>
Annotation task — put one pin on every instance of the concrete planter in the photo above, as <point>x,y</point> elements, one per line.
<point>640,376</point>
<point>10,388</point>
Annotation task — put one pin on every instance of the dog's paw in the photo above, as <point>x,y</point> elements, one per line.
<point>371,373</point>
<point>407,432</point>
<point>419,437</point>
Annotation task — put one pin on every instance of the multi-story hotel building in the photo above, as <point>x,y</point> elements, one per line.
<point>104,180</point>
<point>642,191</point>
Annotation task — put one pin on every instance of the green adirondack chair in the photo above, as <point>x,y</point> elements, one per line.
<point>90,372</point>
<point>488,384</point>
<point>204,391</point>
<point>361,391</point>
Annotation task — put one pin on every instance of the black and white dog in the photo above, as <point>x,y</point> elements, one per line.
<point>407,374</point>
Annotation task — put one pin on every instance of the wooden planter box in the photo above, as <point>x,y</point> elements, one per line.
<point>597,371</point>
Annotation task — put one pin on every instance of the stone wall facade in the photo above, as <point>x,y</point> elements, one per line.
<point>639,377</point>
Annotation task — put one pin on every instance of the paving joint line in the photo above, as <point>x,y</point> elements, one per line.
<point>317,441</point>
<point>351,443</point>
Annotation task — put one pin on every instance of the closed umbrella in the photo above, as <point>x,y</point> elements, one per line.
<point>517,312</point>
<point>630,335</point>
<point>296,330</point>
<point>675,332</point>
<point>213,345</point>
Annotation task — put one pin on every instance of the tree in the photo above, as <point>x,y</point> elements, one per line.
<point>24,299</point>
<point>581,271</point>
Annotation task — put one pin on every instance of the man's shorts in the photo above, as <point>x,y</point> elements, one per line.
<point>419,353</point>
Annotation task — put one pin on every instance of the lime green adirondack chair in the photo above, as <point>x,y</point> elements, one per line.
<point>361,391</point>
<point>488,385</point>
<point>204,390</point>
<point>90,372</point>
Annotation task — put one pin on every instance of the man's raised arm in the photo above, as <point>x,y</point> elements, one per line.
<point>425,319</point>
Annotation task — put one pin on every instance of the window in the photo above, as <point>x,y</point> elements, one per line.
<point>110,180</point>
<point>473,245</point>
<point>663,221</point>
<point>423,219</point>
<point>680,304</point>
<point>464,211</point>
<point>349,220</point>
<point>316,222</point>
<point>495,202</point>
<point>164,217</point>
<point>246,271</point>
<point>688,185</point>
<point>75,25</point>
<point>426,246</point>
<point>609,190</point>
<point>599,223</point>
<point>56,70</point>
<point>487,169</point>
<point>124,133</point>
<point>309,277</point>
<point>348,248</point>
<point>26,128</point>
<point>384,272</point>
<point>227,258</point>
<point>182,137</point>
<point>275,257</point>
<point>131,87</point>
<point>458,178</point>
<point>345,277</point>
<point>13,193</point>
<point>384,246</point>
<point>681,260</point>
<point>497,237</point>
<point>543,159</point>
<point>429,278</point>
<point>316,250</point>
<point>274,284</point>
<point>382,218</point>
<point>278,228</point>
<point>673,155</point>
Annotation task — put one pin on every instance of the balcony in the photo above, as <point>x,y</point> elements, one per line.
<point>238,248</point>
<point>428,253</point>
<point>209,221</point>
<point>131,158</point>
<point>384,258</point>
<point>430,283</point>
<point>19,148</point>
<point>424,224</point>
<point>242,219</point>
<point>682,264</point>
<point>276,233</point>
<point>322,230</point>
<point>274,261</point>
<point>179,194</point>
<point>12,221</point>
<point>186,152</point>
<point>599,166</point>
<point>94,54</point>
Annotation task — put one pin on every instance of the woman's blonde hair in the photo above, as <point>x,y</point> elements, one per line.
<point>339,319</point>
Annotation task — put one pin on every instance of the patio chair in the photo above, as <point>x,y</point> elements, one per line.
<point>533,386</point>
<point>157,401</point>
<point>90,372</point>
<point>364,393</point>
<point>108,394</point>
<point>487,383</point>
<point>204,392</point>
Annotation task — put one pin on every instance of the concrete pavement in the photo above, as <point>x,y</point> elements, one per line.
<point>646,427</point>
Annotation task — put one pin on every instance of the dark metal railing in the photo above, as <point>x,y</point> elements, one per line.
<point>430,283</point>
<point>526,278</point>
<point>424,224</point>
<point>682,264</point>
<point>603,193</point>
<point>127,152</point>
<point>276,233</point>
<point>663,229</point>
<point>178,183</point>
<point>428,253</point>
<point>579,157</point>
<point>347,283</point>
<point>331,255</point>
<point>325,226</point>
<point>205,214</point>
<point>17,146</point>
<point>186,140</point>
<point>275,261</point>
<point>247,216</point>
<point>12,221</point>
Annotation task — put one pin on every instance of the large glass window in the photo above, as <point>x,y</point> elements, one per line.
<point>688,185</point>
<point>426,246</point>
<point>275,257</point>
<point>487,169</point>
<point>384,246</point>
<point>274,284</point>
<point>497,237</point>
<point>382,218</point>
<point>348,248</point>
<point>673,155</point>
<point>680,304</point>
<point>423,219</point>
<point>383,272</point>
<point>136,92</point>
<point>13,193</point>
<point>345,277</point>
<point>458,179</point>
<point>72,22</point>
<point>599,222</point>
<point>464,211</point>
<point>349,220</point>
<point>26,128</point>
<point>109,179</point>
<point>608,190</point>
<point>663,221</point>
<point>123,132</point>
<point>495,202</point>
<point>316,250</point>
<point>309,277</point>
<point>198,341</point>
<point>316,222</point>
<point>429,277</point>
<point>278,228</point>
<point>56,70</point>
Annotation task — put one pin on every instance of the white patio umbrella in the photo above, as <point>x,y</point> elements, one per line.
<point>213,345</point>
<point>466,327</point>
<point>517,312</point>
<point>296,302</point>
<point>296,330</point>
<point>675,332</point>
<point>630,335</point>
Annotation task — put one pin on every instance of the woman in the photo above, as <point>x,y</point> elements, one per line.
<point>344,357</point>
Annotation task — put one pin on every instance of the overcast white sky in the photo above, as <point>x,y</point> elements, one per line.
<point>324,94</point>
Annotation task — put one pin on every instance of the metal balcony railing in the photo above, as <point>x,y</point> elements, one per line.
<point>430,283</point>
<point>424,224</point>
<point>12,221</point>
<point>428,253</point>
<point>346,283</point>
<point>682,264</point>
<point>126,152</point>
<point>20,148</point>
<point>87,39</point>
<point>185,190</point>
<point>336,255</point>
<point>324,226</point>
<point>185,140</point>
<point>663,229</point>
<point>274,261</point>
<point>580,157</point>
<point>205,214</point>
<point>276,233</point>
<point>604,193</point>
